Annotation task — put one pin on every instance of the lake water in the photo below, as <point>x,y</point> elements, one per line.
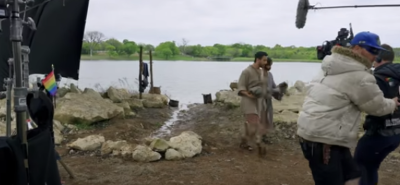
<point>184,80</point>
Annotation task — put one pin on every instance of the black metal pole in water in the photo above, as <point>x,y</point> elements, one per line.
<point>353,6</point>
<point>140,71</point>
<point>20,91</point>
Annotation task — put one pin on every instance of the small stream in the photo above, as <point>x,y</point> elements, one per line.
<point>165,130</point>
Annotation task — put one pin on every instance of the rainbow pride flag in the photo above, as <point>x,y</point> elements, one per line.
<point>50,83</point>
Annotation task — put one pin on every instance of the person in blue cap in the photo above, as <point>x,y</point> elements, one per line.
<point>382,133</point>
<point>328,122</point>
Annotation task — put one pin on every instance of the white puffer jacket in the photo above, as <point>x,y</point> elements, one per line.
<point>336,97</point>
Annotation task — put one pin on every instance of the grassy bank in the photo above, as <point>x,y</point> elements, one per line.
<point>188,58</point>
<point>180,58</point>
<point>134,57</point>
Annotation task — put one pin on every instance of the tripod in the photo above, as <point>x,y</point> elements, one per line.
<point>19,75</point>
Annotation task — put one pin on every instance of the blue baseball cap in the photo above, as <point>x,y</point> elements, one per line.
<point>367,40</point>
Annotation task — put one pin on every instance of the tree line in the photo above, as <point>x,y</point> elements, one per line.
<point>96,43</point>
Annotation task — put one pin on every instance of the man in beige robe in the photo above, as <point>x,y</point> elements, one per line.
<point>252,86</point>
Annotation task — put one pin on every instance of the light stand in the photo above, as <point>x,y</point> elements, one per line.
<point>8,82</point>
<point>20,90</point>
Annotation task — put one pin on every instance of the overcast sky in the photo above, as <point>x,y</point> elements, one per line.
<point>266,22</point>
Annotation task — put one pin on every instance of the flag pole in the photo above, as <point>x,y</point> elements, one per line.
<point>54,97</point>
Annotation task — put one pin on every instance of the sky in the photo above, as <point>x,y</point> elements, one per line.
<point>264,22</point>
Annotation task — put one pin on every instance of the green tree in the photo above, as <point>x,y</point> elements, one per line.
<point>94,41</point>
<point>167,50</point>
<point>130,47</point>
<point>85,48</point>
<point>221,49</point>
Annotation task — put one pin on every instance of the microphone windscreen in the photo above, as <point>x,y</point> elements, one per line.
<point>301,16</point>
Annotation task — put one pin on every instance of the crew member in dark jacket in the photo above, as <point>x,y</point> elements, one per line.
<point>382,134</point>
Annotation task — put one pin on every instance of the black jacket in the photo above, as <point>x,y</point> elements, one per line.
<point>388,79</point>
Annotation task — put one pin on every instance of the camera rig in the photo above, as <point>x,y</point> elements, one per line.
<point>343,39</point>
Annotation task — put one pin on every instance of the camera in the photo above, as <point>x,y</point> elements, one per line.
<point>342,39</point>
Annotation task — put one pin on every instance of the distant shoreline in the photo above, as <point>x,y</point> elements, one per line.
<point>95,58</point>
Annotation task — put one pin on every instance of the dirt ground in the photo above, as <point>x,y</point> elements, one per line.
<point>221,162</point>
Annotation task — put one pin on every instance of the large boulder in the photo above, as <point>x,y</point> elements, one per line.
<point>85,108</point>
<point>89,143</point>
<point>74,89</point>
<point>291,103</point>
<point>188,144</point>
<point>300,86</point>
<point>118,95</point>
<point>152,100</point>
<point>230,98</point>
<point>135,104</point>
<point>61,92</point>
<point>145,154</point>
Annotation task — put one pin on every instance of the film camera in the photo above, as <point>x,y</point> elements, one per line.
<point>342,39</point>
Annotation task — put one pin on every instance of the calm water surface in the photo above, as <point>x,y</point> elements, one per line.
<point>183,80</point>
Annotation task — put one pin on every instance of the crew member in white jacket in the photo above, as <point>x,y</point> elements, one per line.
<point>329,121</point>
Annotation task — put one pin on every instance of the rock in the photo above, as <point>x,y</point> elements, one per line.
<point>172,155</point>
<point>118,95</point>
<point>2,129</point>
<point>85,109</point>
<point>61,92</point>
<point>300,86</point>
<point>135,104</point>
<point>233,85</point>
<point>3,108</point>
<point>74,89</point>
<point>286,124</point>
<point>159,145</point>
<point>145,154</point>
<point>291,103</point>
<point>395,155</point>
<point>58,136</point>
<point>126,151</point>
<point>127,108</point>
<point>92,92</point>
<point>89,143</point>
<point>110,146</point>
<point>153,104</point>
<point>70,128</point>
<point>57,124</point>
<point>153,98</point>
<point>230,98</point>
<point>187,143</point>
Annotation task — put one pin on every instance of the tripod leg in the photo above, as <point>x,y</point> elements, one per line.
<point>71,175</point>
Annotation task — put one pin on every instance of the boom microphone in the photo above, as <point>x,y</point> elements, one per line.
<point>304,6</point>
<point>302,10</point>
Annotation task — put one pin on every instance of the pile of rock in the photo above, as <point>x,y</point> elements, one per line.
<point>186,145</point>
<point>74,106</point>
<point>89,106</point>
